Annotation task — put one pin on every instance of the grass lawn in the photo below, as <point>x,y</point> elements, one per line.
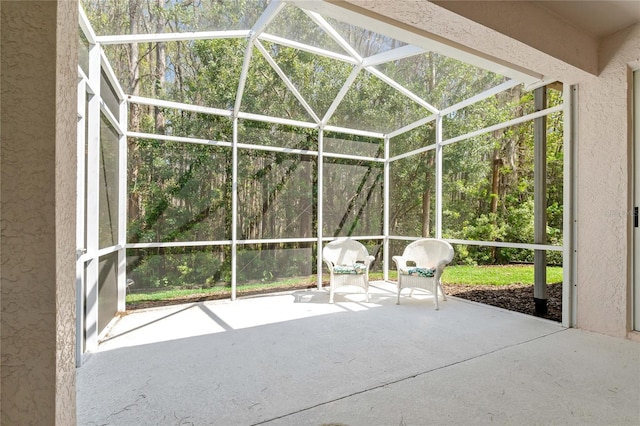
<point>497,275</point>
<point>463,274</point>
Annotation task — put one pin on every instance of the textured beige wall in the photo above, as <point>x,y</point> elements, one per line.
<point>604,188</point>
<point>523,20</point>
<point>431,20</point>
<point>65,187</point>
<point>38,74</point>
<point>604,133</point>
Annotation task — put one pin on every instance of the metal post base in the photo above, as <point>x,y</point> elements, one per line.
<point>541,306</point>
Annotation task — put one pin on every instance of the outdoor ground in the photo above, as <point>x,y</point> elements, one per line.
<point>514,297</point>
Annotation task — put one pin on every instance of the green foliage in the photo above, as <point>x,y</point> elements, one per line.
<point>497,275</point>
<point>159,268</point>
<point>468,275</point>
<point>182,192</point>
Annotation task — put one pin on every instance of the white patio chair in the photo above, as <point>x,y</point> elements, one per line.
<point>421,266</point>
<point>348,262</point>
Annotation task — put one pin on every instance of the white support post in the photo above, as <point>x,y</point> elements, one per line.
<point>80,219</point>
<point>540,202</point>
<point>386,205</point>
<point>243,77</point>
<point>234,210</point>
<point>122,208</point>
<point>93,199</point>
<point>569,194</point>
<point>320,184</point>
<point>635,260</point>
<point>439,176</point>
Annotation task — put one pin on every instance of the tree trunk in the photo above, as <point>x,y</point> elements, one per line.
<point>430,160</point>
<point>426,199</point>
<point>134,200</point>
<point>426,213</point>
<point>161,67</point>
<point>496,163</point>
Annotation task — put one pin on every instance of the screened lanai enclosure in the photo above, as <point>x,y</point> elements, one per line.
<point>223,143</point>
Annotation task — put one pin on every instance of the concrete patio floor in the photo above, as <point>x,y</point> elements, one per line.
<point>295,359</point>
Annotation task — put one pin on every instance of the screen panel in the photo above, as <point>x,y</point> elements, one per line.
<point>108,189</point>
<point>178,192</point>
<point>352,198</point>
<point>276,195</point>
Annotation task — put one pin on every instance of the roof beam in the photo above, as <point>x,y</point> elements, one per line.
<point>415,98</point>
<point>178,105</point>
<point>292,88</point>
<point>341,94</point>
<point>504,125</point>
<point>322,23</point>
<point>85,26</point>
<point>307,48</point>
<point>481,96</point>
<point>412,126</point>
<point>243,77</point>
<point>363,17</point>
<point>265,19</point>
<point>393,55</point>
<point>166,37</point>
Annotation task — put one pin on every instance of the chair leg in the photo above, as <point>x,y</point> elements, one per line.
<point>331,295</point>
<point>444,296</point>
<point>399,289</point>
<point>366,288</point>
<point>435,288</point>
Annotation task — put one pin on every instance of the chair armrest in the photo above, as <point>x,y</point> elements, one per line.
<point>440,266</point>
<point>369,260</point>
<point>401,261</point>
<point>329,264</point>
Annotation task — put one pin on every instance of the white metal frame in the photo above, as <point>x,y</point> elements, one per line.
<point>570,204</point>
<point>91,84</point>
<point>88,254</point>
<point>635,260</point>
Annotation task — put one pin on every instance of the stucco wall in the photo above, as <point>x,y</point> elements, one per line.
<point>38,75</point>
<point>524,20</point>
<point>603,140</point>
<point>604,188</point>
<point>430,19</point>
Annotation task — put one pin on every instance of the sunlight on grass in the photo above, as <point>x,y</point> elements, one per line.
<point>497,275</point>
<point>463,274</point>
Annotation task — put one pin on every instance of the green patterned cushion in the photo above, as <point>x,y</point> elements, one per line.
<point>420,272</point>
<point>356,268</point>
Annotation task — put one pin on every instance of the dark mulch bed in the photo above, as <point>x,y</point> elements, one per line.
<point>514,297</point>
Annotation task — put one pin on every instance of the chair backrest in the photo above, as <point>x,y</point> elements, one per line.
<point>345,251</point>
<point>428,252</point>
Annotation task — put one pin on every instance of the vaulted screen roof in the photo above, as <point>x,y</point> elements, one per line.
<point>290,60</point>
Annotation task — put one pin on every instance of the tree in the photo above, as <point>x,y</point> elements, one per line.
<point>182,192</point>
